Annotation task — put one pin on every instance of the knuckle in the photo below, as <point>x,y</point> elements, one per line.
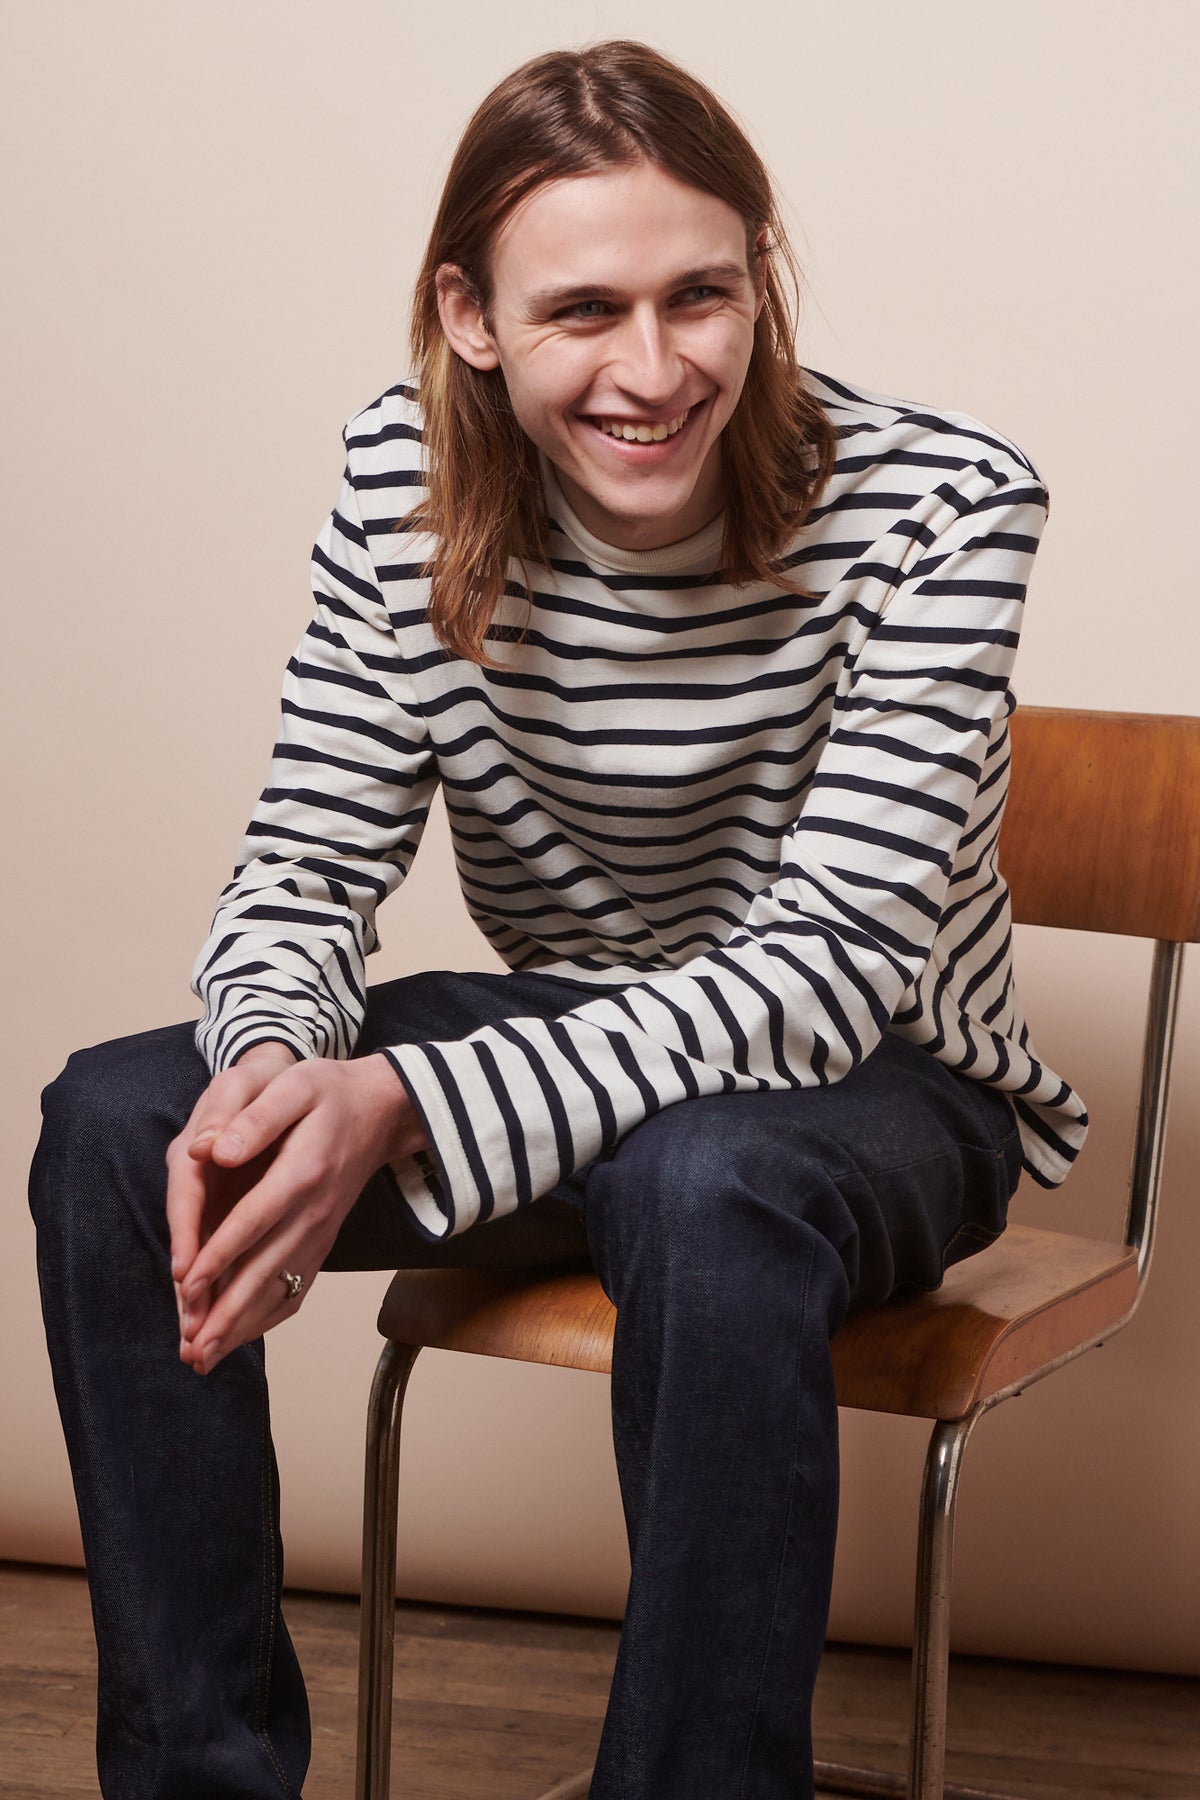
<point>254,1220</point>
<point>318,1170</point>
<point>321,1210</point>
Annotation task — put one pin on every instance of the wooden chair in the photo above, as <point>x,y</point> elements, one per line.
<point>1102,833</point>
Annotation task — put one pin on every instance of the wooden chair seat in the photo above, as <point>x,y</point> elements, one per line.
<point>562,1319</point>
<point>998,1319</point>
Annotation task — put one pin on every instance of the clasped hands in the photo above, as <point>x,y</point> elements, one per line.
<point>260,1179</point>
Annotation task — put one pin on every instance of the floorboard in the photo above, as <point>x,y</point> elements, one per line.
<point>501,1706</point>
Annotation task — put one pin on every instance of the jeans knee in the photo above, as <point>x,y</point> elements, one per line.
<point>106,1091</point>
<point>83,1101</point>
<point>106,1123</point>
<point>684,1203</point>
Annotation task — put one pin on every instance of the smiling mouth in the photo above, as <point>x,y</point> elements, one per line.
<point>642,431</point>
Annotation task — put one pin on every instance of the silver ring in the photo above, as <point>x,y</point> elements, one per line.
<point>293,1283</point>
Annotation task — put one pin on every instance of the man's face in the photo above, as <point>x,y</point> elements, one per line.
<point>623,303</point>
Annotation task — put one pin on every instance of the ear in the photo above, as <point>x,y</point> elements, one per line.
<point>761,252</point>
<point>462,319</point>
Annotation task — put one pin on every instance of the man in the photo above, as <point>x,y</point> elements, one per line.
<point>710,658</point>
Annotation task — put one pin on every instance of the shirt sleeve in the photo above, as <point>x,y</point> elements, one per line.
<point>338,824</point>
<point>828,951</point>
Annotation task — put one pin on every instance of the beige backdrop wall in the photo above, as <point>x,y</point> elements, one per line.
<point>219,208</point>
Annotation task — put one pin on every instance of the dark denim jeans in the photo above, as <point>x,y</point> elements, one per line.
<point>732,1233</point>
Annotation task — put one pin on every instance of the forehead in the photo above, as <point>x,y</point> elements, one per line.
<point>617,227</point>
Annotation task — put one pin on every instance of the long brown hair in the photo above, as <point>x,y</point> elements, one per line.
<point>575,113</point>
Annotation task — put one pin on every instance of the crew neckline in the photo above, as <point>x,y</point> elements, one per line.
<point>699,554</point>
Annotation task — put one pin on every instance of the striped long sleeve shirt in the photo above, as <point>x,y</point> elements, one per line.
<point>758,825</point>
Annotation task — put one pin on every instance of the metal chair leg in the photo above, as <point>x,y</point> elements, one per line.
<point>931,1648</point>
<point>931,1629</point>
<point>931,1641</point>
<point>378,1615</point>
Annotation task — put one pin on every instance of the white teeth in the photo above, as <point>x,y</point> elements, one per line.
<point>642,434</point>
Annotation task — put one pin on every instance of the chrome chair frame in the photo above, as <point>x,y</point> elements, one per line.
<point>948,1439</point>
<point>939,1493</point>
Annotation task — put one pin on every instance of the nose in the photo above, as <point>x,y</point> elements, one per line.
<point>647,364</point>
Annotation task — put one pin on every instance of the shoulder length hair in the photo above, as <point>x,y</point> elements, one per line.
<point>578,113</point>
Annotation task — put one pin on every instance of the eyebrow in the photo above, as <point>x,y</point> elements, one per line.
<point>547,299</point>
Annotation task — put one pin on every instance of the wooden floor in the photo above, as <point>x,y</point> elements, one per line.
<point>500,1706</point>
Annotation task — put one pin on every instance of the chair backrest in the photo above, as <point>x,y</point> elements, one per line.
<point>1102,833</point>
<point>1102,829</point>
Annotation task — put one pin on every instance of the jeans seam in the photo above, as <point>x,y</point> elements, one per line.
<point>969,1228</point>
<point>266,1627</point>
<point>787,1520</point>
<point>914,1162</point>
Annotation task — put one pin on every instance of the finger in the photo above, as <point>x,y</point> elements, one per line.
<point>255,1299</point>
<point>256,1293</point>
<point>268,1114</point>
<point>255,1323</point>
<point>243,1205</point>
<point>187,1192</point>
<point>225,1096</point>
<point>193,1315</point>
<point>193,1320</point>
